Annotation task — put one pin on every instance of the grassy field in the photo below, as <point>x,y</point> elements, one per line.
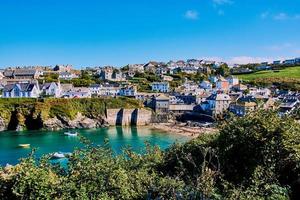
<point>290,72</point>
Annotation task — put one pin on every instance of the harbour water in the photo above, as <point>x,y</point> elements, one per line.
<point>54,141</point>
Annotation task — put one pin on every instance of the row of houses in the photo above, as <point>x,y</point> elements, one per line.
<point>34,73</point>
<point>58,90</point>
<point>213,105</point>
<point>211,97</point>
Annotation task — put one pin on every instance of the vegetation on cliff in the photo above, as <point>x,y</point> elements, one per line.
<point>23,111</point>
<point>256,157</point>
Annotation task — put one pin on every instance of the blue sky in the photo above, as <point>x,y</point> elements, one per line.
<point>118,32</point>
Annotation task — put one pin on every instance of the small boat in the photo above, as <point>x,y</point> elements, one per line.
<point>71,133</point>
<point>24,145</point>
<point>58,155</point>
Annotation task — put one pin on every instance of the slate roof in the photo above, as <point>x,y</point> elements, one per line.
<point>19,72</point>
<point>25,87</point>
<point>219,97</point>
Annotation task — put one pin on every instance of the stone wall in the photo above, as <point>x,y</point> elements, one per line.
<point>126,117</point>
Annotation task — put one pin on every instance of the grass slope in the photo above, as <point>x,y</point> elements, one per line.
<point>290,72</point>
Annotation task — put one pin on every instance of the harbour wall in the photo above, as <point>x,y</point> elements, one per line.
<point>127,117</point>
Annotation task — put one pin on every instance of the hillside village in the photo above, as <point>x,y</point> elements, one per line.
<point>205,89</point>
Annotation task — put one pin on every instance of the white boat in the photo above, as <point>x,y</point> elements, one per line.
<point>58,155</point>
<point>71,133</point>
<point>24,145</point>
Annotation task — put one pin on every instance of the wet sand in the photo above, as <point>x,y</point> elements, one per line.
<point>181,129</point>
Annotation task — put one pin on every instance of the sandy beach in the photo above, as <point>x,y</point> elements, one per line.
<point>184,130</point>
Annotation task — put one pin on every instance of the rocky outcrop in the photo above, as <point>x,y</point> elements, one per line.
<point>80,121</point>
<point>19,122</point>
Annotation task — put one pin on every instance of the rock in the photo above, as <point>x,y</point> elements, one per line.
<point>53,124</point>
<point>80,121</point>
<point>88,123</point>
<point>3,125</point>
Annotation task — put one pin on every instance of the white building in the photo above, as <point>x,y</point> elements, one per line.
<point>160,86</point>
<point>21,90</point>
<point>216,104</point>
<point>105,89</point>
<point>259,93</point>
<point>129,91</point>
<point>189,69</point>
<point>67,76</point>
<point>51,89</point>
<point>78,92</point>
<point>206,85</point>
<point>233,80</point>
<point>161,71</point>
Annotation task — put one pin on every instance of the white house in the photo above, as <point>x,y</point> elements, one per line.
<point>136,67</point>
<point>233,80</point>
<point>105,89</point>
<point>189,69</point>
<point>160,86</point>
<point>260,92</point>
<point>213,79</point>
<point>78,92</point>
<point>106,73</point>
<point>216,104</point>
<point>67,76</point>
<point>128,91</point>
<point>206,85</point>
<point>51,89</point>
<point>161,71</point>
<point>19,90</point>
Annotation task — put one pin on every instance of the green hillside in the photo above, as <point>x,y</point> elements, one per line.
<point>290,72</point>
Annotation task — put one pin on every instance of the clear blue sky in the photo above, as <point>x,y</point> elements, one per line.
<point>118,32</point>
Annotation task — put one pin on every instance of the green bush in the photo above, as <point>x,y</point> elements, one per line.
<point>255,157</point>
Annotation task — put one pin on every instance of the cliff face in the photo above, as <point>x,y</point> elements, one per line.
<point>54,114</point>
<point>20,123</point>
<point>80,121</point>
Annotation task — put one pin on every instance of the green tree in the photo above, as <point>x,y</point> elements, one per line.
<point>223,70</point>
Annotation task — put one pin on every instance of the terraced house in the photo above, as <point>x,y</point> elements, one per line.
<point>22,74</point>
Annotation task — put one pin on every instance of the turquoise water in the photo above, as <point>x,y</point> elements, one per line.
<point>54,141</point>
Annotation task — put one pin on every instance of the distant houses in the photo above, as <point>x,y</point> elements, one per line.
<point>243,105</point>
<point>67,76</point>
<point>171,88</point>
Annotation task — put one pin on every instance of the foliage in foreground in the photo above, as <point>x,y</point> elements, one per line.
<point>255,157</point>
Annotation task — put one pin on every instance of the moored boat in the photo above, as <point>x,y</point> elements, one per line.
<point>58,155</point>
<point>24,145</point>
<point>71,133</point>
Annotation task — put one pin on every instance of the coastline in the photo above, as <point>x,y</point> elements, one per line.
<point>181,129</point>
